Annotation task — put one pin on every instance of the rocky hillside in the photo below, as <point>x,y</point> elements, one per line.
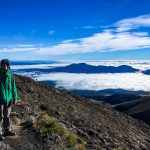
<point>139,108</point>
<point>85,123</point>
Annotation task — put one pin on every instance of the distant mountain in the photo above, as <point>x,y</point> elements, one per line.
<point>105,92</point>
<point>85,68</point>
<point>139,108</point>
<point>121,91</point>
<point>49,83</point>
<point>146,72</point>
<point>110,96</point>
<point>116,98</point>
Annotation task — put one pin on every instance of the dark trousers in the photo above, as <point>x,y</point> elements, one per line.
<point>5,117</point>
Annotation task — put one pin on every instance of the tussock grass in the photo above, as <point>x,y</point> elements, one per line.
<point>46,125</point>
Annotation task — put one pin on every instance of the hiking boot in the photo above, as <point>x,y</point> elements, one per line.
<point>9,133</point>
<point>1,137</point>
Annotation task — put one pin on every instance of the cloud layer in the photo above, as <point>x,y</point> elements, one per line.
<point>101,42</point>
<point>117,38</point>
<point>123,35</point>
<point>133,23</point>
<point>127,81</point>
<point>138,64</point>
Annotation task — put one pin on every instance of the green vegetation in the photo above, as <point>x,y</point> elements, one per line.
<point>46,125</point>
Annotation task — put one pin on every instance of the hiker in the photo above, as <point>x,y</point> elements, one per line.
<point>8,96</point>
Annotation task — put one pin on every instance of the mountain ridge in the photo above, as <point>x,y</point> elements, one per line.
<point>138,108</point>
<point>147,72</point>
<point>86,68</point>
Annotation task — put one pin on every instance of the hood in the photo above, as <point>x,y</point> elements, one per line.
<point>5,72</point>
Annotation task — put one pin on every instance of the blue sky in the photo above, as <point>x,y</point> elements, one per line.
<point>74,29</point>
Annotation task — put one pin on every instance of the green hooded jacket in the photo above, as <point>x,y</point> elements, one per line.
<point>8,90</point>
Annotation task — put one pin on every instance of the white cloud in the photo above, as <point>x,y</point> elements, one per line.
<point>133,23</point>
<point>127,81</point>
<point>18,49</point>
<point>38,66</point>
<point>100,42</point>
<point>109,39</point>
<point>138,64</point>
<point>105,41</point>
<point>33,31</point>
<point>50,32</point>
<point>67,41</point>
<point>22,45</point>
<point>90,27</point>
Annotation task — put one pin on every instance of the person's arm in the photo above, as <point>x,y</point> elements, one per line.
<point>14,89</point>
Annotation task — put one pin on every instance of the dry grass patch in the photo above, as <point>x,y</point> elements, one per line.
<point>46,125</point>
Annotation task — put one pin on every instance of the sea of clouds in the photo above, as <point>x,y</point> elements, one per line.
<point>71,81</point>
<point>138,64</point>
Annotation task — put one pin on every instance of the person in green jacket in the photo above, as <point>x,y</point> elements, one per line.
<point>8,96</point>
